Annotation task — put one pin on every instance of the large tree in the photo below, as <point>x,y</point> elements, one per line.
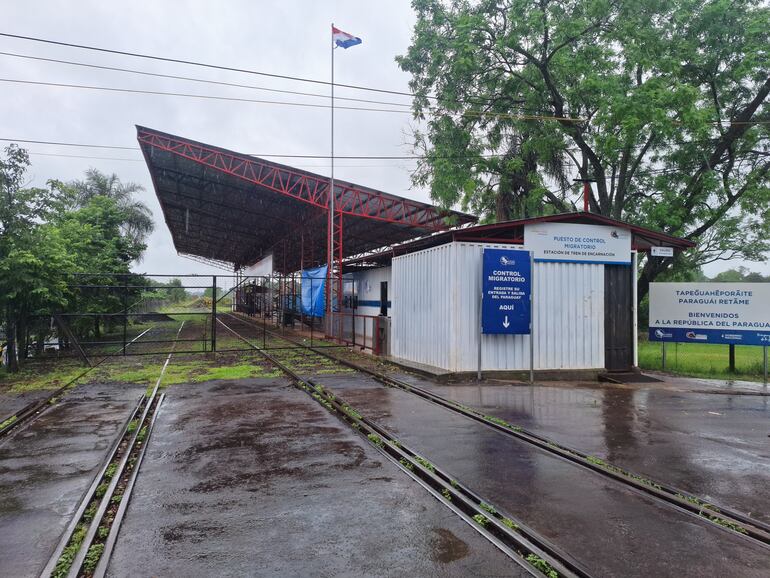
<point>48,233</point>
<point>32,259</point>
<point>662,102</point>
<point>137,223</point>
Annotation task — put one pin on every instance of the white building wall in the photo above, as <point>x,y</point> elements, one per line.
<point>421,320</point>
<point>368,291</point>
<point>262,268</point>
<point>436,319</point>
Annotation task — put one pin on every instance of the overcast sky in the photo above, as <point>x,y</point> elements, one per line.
<point>290,37</point>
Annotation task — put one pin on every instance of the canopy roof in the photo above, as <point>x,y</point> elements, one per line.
<point>235,208</point>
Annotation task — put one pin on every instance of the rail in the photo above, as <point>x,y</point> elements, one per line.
<point>721,516</point>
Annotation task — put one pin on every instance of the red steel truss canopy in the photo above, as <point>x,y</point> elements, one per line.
<point>236,208</point>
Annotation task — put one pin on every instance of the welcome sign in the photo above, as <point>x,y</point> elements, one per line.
<point>737,313</point>
<point>581,243</point>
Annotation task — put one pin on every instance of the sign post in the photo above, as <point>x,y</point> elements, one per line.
<point>532,321</point>
<point>506,302</point>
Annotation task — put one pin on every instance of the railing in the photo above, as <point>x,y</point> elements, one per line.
<point>364,331</point>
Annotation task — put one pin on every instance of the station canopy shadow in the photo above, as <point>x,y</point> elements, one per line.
<point>233,208</point>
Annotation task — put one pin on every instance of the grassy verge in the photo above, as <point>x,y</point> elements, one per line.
<point>184,368</point>
<point>703,360</point>
<point>40,376</point>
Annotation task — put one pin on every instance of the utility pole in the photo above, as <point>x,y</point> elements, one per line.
<point>330,222</point>
<point>586,192</point>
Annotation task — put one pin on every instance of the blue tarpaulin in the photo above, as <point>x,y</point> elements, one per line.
<point>313,285</point>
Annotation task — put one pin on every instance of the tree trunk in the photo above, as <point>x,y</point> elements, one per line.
<point>40,343</point>
<point>22,335</point>
<point>10,327</point>
<point>503,204</point>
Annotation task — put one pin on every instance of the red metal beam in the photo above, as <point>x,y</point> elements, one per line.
<point>308,188</point>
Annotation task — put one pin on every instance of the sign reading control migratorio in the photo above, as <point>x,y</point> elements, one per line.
<point>736,313</point>
<point>506,287</point>
<point>583,243</point>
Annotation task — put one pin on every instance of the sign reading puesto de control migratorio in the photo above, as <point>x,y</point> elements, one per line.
<point>568,242</point>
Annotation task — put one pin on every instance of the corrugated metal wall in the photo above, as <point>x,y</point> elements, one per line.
<point>436,313</point>
<point>421,319</point>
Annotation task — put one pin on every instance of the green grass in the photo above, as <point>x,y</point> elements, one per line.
<point>703,360</point>
<point>40,376</point>
<point>8,422</point>
<point>69,553</point>
<point>92,558</point>
<point>185,371</point>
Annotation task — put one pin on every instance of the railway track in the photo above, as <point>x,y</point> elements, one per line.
<point>84,549</point>
<point>525,546</point>
<point>35,408</point>
<point>718,515</point>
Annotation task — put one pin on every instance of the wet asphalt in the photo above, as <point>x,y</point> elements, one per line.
<point>716,446</point>
<point>254,478</point>
<point>613,530</point>
<point>47,465</point>
<point>11,403</point>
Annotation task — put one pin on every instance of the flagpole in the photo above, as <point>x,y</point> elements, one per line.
<point>330,226</point>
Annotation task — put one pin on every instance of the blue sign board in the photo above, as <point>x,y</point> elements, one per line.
<point>736,337</point>
<point>507,285</point>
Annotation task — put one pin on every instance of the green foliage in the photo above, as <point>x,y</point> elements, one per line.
<point>351,412</point>
<point>47,233</point>
<point>110,471</point>
<point>8,422</point>
<point>375,439</point>
<point>741,275</point>
<point>540,564</point>
<point>136,224</point>
<point>90,512</point>
<point>95,552</point>
<point>481,520</point>
<point>101,489</point>
<point>425,463</point>
<point>652,99</point>
<point>488,508</point>
<point>70,551</point>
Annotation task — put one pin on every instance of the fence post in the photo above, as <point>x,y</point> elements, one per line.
<point>732,357</point>
<point>125,312</point>
<point>663,344</point>
<point>377,336</point>
<point>765,348</point>
<point>214,313</point>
